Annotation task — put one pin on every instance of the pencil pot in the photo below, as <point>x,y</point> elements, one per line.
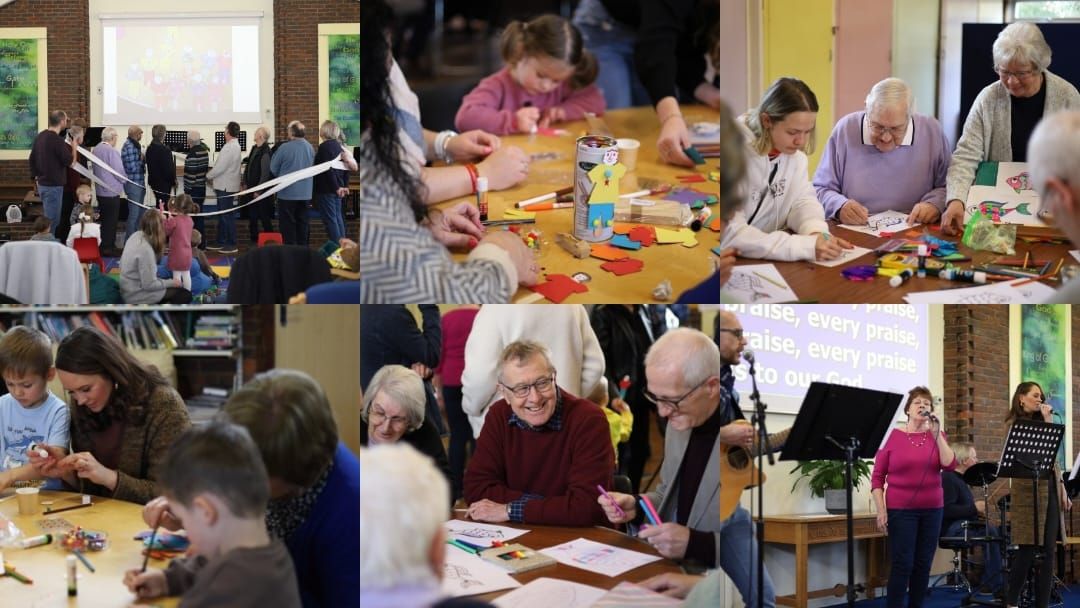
<point>592,219</point>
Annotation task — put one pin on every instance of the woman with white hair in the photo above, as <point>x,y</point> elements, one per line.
<point>1005,113</point>
<point>887,144</point>
<point>257,171</point>
<point>332,186</point>
<point>109,189</point>
<point>402,540</point>
<point>393,411</point>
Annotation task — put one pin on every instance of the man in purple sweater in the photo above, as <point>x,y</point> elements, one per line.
<point>541,452</point>
<point>885,158</point>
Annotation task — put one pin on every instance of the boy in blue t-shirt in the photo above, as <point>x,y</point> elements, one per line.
<point>29,413</point>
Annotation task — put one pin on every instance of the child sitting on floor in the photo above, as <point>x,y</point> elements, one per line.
<point>43,230</point>
<point>549,77</point>
<point>216,484</point>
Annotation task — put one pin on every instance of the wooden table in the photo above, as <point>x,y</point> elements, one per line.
<point>45,565</point>
<point>542,537</point>
<point>818,283</point>
<point>684,267</point>
<point>805,529</point>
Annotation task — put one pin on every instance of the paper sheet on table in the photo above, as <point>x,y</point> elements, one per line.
<point>757,284</point>
<point>1014,177</point>
<point>998,293</point>
<point>884,221</point>
<point>477,533</point>
<point>1076,254</point>
<point>629,595</point>
<point>598,557</point>
<point>549,593</point>
<point>846,256</point>
<point>467,574</point>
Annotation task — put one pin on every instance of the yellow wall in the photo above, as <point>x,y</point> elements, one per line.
<point>323,340</point>
<point>799,43</point>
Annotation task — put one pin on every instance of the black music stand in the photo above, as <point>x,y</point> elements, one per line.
<point>838,422</point>
<point>1030,450</point>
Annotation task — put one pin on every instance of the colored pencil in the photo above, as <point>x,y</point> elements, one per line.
<point>548,206</point>
<point>153,536</point>
<point>508,222</point>
<point>10,570</point>
<point>612,500</point>
<point>86,562</point>
<point>61,509</point>
<point>763,277</point>
<point>544,197</point>
<point>1057,268</point>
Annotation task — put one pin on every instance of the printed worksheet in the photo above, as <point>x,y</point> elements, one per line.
<point>481,534</point>
<point>549,593</point>
<point>468,574</point>
<point>884,221</point>
<point>598,557</point>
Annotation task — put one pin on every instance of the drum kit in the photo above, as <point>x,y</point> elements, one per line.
<point>983,474</point>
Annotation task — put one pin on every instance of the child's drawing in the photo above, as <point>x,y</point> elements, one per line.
<point>460,576</point>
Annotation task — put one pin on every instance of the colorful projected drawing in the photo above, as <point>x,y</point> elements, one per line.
<point>345,84</point>
<point>173,72</point>
<point>18,93</point>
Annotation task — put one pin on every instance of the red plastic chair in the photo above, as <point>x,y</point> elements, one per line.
<point>88,251</point>
<point>270,237</point>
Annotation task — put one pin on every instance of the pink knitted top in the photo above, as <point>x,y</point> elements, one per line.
<point>911,466</point>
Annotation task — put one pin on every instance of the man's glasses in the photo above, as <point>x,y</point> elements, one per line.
<point>521,391</point>
<point>673,404</point>
<point>738,333</point>
<point>895,132</point>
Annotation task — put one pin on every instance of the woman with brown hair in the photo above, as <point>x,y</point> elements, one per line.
<point>139,283</point>
<point>124,416</point>
<point>1027,404</point>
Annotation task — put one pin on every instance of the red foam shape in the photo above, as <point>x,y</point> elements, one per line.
<point>558,287</point>
<point>646,235</point>
<point>623,266</point>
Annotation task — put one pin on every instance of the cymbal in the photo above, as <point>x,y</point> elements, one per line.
<point>981,473</point>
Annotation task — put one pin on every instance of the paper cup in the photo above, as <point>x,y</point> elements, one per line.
<point>628,151</point>
<point>28,500</point>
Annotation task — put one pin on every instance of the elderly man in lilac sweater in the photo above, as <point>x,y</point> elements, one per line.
<point>886,158</point>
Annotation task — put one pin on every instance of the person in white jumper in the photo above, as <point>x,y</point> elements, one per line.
<point>782,218</point>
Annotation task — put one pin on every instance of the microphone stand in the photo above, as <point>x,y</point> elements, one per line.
<point>758,422</point>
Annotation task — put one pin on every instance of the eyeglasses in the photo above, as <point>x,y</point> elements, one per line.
<point>521,391</point>
<point>895,132</point>
<point>673,404</point>
<point>1023,75</point>
<point>378,416</point>
<point>738,333</point>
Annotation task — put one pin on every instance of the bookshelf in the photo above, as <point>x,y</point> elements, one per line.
<point>211,332</point>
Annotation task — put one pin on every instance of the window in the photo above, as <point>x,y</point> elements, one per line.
<point>1045,9</point>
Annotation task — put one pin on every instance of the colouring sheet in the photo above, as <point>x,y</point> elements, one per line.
<point>549,593</point>
<point>884,221</point>
<point>598,557</point>
<point>1004,206</point>
<point>1009,292</point>
<point>1014,177</point>
<point>467,574</point>
<point>757,284</point>
<point>846,255</point>
<point>629,595</point>
<point>477,533</point>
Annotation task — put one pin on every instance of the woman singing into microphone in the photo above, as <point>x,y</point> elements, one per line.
<point>1027,404</point>
<point>910,463</point>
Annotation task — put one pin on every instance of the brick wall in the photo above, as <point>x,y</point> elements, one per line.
<point>977,391</point>
<point>296,63</point>
<point>68,58</point>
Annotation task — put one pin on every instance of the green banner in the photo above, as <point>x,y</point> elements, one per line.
<point>344,94</point>
<point>18,93</point>
<point>1042,355</point>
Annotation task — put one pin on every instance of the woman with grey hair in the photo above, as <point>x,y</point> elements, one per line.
<point>257,171</point>
<point>109,189</point>
<point>887,143</point>
<point>393,410</point>
<point>1005,113</point>
<point>331,187</point>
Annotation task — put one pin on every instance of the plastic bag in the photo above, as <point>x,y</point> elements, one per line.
<point>10,534</point>
<point>982,233</point>
<point>14,214</point>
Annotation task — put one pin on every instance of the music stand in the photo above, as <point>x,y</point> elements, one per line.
<point>1029,453</point>
<point>838,422</point>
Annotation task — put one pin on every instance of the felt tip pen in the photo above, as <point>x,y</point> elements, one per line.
<point>86,562</point>
<point>462,546</point>
<point>962,276</point>
<point>644,509</point>
<point>624,384</point>
<point>899,279</point>
<point>651,509</point>
<point>700,218</point>
<point>35,541</point>
<point>611,500</point>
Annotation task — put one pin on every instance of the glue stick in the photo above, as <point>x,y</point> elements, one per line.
<point>482,197</point>
<point>37,449</point>
<point>922,261</point>
<point>898,280</point>
<point>73,589</point>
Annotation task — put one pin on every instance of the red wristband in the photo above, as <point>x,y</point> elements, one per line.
<point>473,175</point>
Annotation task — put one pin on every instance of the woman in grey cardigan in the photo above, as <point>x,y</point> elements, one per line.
<point>1005,113</point>
<point>139,283</point>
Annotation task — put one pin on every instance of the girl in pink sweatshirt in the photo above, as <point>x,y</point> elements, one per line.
<point>178,227</point>
<point>548,78</point>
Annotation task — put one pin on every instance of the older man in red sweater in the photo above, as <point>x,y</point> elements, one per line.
<point>542,451</point>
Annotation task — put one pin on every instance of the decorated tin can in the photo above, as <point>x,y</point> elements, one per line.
<point>592,150</point>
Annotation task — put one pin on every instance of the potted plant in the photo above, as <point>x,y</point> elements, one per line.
<point>826,480</point>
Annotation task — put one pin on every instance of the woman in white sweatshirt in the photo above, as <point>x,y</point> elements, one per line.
<point>781,218</point>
